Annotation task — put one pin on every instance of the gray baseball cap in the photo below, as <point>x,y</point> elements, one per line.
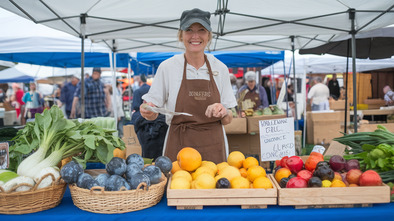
<point>195,15</point>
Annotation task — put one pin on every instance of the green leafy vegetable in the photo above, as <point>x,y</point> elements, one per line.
<point>54,138</point>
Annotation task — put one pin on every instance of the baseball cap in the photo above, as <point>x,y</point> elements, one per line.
<point>250,76</point>
<point>195,15</point>
<point>97,70</point>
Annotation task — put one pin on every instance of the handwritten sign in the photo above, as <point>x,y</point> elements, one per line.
<point>276,138</point>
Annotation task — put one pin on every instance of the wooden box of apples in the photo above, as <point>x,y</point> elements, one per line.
<point>316,183</point>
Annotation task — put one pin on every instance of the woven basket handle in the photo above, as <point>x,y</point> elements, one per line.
<point>43,177</point>
<point>16,187</point>
<point>97,189</point>
<point>142,186</point>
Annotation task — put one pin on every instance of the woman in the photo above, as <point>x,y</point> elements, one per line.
<point>195,83</point>
<point>34,102</point>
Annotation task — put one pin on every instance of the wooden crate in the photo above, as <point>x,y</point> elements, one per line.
<point>332,197</point>
<point>197,198</point>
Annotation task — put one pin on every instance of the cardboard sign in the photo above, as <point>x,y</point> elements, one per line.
<point>4,156</point>
<point>276,138</point>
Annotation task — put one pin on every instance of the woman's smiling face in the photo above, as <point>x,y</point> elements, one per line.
<point>195,38</point>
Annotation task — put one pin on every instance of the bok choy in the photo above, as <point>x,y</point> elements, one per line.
<point>54,138</point>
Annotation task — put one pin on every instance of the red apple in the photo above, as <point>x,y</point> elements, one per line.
<point>295,164</point>
<point>353,176</point>
<point>305,174</point>
<point>370,178</point>
<point>283,161</point>
<point>297,182</point>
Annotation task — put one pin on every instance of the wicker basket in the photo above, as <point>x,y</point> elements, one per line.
<point>97,200</point>
<point>33,200</point>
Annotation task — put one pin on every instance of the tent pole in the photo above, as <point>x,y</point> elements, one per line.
<point>352,14</point>
<point>295,84</point>
<point>114,88</point>
<point>129,86</point>
<point>83,29</point>
<point>346,87</point>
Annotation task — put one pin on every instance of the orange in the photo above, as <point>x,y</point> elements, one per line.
<point>282,173</point>
<point>235,159</point>
<point>119,153</point>
<point>262,182</point>
<point>249,162</point>
<point>183,174</point>
<point>337,183</point>
<point>189,159</point>
<point>254,172</point>
<point>180,183</point>
<point>210,165</point>
<point>311,162</point>
<point>243,172</point>
<point>175,167</point>
<point>204,181</point>
<point>229,172</point>
<point>239,182</point>
<point>221,166</point>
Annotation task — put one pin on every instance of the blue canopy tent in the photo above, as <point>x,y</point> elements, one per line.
<point>65,59</point>
<point>13,75</point>
<point>148,62</point>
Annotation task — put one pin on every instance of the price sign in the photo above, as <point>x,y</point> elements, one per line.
<point>276,138</point>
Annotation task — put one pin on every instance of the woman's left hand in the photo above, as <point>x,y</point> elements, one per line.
<point>216,110</point>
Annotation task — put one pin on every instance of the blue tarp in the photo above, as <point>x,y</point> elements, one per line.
<point>147,62</point>
<point>13,75</point>
<point>65,59</point>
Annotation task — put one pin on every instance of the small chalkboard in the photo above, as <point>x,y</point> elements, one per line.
<point>276,138</point>
<point>4,155</point>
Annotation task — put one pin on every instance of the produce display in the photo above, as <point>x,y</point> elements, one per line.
<point>271,110</point>
<point>291,172</point>
<point>238,172</point>
<point>121,174</point>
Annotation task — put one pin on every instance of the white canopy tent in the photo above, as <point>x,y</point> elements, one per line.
<point>151,25</point>
<point>323,64</point>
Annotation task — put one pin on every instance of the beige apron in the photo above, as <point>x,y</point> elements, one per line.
<point>197,131</point>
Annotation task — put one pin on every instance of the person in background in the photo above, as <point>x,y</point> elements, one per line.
<point>2,96</point>
<point>151,134</point>
<point>196,83</point>
<point>319,94</point>
<point>233,81</point>
<point>267,86</point>
<point>136,83</point>
<point>67,94</point>
<point>34,102</point>
<point>388,95</point>
<point>250,95</point>
<point>16,101</point>
<point>95,97</point>
<point>119,107</point>
<point>333,86</point>
<point>143,88</point>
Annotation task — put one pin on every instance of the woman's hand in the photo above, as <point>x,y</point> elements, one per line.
<point>148,115</point>
<point>219,111</point>
<point>216,110</point>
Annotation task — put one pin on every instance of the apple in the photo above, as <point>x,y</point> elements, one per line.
<point>370,178</point>
<point>305,174</point>
<point>295,164</point>
<point>297,182</point>
<point>353,176</point>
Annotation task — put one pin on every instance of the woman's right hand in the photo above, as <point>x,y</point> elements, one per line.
<point>148,115</point>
